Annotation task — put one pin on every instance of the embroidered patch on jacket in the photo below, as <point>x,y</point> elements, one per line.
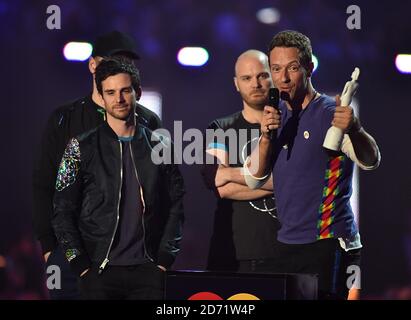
<point>71,254</point>
<point>69,165</point>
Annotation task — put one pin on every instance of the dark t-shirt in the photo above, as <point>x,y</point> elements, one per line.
<point>128,245</point>
<point>242,229</point>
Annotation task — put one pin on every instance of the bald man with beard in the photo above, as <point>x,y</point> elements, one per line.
<point>245,222</point>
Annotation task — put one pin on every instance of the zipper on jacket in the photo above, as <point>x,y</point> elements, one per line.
<point>143,203</point>
<point>106,260</point>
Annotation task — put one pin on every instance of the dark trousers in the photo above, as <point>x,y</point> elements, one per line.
<point>325,258</point>
<point>139,282</point>
<point>67,288</point>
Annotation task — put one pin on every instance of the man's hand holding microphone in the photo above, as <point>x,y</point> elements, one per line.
<point>271,120</point>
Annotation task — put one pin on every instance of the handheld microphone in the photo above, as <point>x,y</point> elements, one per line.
<point>273,101</point>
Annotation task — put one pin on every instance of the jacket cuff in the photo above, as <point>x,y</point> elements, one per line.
<point>80,263</point>
<point>48,243</point>
<point>165,260</point>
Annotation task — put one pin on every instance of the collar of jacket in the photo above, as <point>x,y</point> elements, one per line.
<point>138,132</point>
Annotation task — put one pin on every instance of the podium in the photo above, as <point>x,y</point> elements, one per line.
<point>204,285</point>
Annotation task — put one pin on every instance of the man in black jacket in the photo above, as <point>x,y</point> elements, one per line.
<point>117,214</point>
<point>66,122</point>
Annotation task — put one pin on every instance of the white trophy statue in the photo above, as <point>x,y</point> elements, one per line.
<point>335,135</point>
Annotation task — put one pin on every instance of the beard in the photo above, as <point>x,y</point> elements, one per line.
<point>121,112</point>
<point>256,102</point>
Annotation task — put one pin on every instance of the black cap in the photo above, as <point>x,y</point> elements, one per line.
<point>114,42</point>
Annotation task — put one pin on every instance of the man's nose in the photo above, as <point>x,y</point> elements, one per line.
<point>285,75</point>
<point>256,83</point>
<point>120,97</point>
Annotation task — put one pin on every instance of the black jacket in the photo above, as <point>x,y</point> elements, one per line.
<point>88,188</point>
<point>65,122</point>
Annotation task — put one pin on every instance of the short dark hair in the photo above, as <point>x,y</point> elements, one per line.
<point>113,66</point>
<point>294,39</point>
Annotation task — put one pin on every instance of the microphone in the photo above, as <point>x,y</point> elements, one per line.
<point>273,101</point>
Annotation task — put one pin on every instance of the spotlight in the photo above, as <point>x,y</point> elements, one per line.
<point>192,56</point>
<point>403,63</point>
<point>268,15</point>
<point>77,51</point>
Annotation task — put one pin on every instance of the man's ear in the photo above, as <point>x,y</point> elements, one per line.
<point>102,102</point>
<point>310,69</point>
<point>236,84</point>
<point>138,93</point>
<point>92,65</point>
